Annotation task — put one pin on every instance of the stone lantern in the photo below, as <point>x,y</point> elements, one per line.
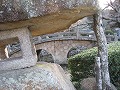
<point>20,20</point>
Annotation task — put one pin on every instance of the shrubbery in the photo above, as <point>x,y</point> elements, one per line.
<point>109,32</point>
<point>82,65</point>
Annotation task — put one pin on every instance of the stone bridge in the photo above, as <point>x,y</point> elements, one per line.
<point>59,44</point>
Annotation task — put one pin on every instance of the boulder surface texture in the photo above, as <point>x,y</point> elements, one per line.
<point>43,76</point>
<point>43,16</point>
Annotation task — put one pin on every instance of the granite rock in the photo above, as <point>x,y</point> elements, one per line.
<point>43,76</point>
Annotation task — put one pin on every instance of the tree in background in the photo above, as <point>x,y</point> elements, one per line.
<point>114,14</point>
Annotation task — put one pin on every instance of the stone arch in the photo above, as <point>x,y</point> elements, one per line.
<point>48,46</point>
<point>75,50</point>
<point>44,55</point>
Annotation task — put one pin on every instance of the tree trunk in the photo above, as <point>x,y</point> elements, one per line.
<point>102,50</point>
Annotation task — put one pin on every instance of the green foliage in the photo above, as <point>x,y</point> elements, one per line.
<point>84,35</point>
<point>109,32</point>
<point>82,65</point>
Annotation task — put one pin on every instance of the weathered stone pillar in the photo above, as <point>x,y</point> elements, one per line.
<point>39,39</point>
<point>98,73</point>
<point>78,34</point>
<point>29,56</point>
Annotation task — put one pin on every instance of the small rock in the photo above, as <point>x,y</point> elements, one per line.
<point>90,84</point>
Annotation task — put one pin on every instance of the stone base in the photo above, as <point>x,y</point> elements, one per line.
<point>43,76</point>
<point>90,84</point>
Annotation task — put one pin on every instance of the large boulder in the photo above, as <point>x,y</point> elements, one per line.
<point>43,76</point>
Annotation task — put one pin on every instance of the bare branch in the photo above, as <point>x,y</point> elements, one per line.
<point>105,7</point>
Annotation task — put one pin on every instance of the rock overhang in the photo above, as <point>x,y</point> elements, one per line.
<point>43,16</point>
